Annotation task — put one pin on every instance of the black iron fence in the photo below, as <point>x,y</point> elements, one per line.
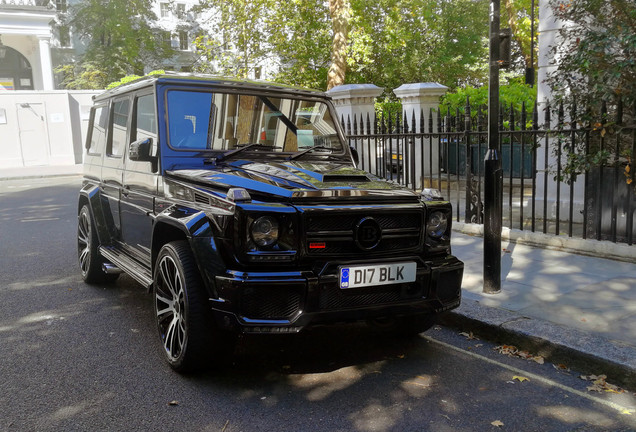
<point>560,177</point>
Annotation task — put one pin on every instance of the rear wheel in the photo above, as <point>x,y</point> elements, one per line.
<point>90,260</point>
<point>190,340</point>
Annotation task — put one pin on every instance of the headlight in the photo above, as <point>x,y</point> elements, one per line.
<point>437,224</point>
<point>264,231</point>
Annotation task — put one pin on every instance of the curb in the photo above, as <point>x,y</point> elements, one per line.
<point>574,348</point>
<point>51,171</point>
<point>589,247</point>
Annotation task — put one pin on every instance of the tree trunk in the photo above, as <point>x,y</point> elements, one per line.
<point>339,12</point>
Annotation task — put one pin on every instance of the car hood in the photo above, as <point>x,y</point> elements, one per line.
<point>297,181</point>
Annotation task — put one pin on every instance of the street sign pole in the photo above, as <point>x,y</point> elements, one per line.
<point>492,166</point>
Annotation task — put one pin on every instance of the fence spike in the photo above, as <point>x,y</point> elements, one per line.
<point>355,124</point>
<point>512,118</point>
<point>375,123</point>
<point>348,125</point>
<point>368,125</point>
<point>422,127</point>
<point>524,115</point>
<point>413,124</point>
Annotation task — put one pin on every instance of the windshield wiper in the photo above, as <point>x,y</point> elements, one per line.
<point>307,150</point>
<point>239,150</point>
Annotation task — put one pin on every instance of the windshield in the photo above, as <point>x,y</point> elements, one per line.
<point>200,120</point>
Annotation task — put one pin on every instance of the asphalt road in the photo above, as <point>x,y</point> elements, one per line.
<point>76,357</point>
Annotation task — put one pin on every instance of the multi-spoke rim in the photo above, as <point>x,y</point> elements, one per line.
<point>84,241</point>
<point>170,307</point>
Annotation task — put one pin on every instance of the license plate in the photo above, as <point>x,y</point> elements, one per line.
<point>379,274</point>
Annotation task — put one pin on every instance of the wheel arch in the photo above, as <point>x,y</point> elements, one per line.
<point>196,230</point>
<point>89,196</point>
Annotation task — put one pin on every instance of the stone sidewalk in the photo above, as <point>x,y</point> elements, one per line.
<point>573,309</point>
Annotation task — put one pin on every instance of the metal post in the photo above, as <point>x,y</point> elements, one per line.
<point>492,167</point>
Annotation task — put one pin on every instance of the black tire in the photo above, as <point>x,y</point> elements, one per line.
<point>406,326</point>
<point>190,339</point>
<point>90,260</point>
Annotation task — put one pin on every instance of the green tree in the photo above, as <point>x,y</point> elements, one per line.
<point>518,15</point>
<point>596,61</point>
<point>120,39</point>
<point>300,35</point>
<point>399,41</point>
<point>237,40</point>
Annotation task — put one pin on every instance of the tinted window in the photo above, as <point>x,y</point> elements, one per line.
<point>98,132</point>
<point>221,121</point>
<point>120,120</point>
<point>146,120</point>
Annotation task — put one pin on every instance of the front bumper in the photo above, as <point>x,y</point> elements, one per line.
<point>286,302</point>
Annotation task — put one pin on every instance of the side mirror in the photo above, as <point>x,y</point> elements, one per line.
<point>354,155</point>
<point>139,151</point>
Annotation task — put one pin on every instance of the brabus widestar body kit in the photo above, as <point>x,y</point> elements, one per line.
<point>240,207</point>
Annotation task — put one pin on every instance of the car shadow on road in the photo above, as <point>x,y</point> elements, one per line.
<point>319,350</point>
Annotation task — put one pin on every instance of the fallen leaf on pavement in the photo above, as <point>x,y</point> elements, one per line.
<point>469,336</point>
<point>520,378</point>
<point>561,367</point>
<point>173,403</point>
<point>512,351</point>
<point>599,384</point>
<point>497,423</point>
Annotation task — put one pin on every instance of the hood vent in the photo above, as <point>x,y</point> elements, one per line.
<point>329,178</point>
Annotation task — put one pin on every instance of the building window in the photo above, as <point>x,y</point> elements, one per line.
<point>166,38</point>
<point>60,5</point>
<point>65,36</point>
<point>183,41</point>
<point>165,10</point>
<point>181,10</point>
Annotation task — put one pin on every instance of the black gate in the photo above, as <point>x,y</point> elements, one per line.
<point>559,178</point>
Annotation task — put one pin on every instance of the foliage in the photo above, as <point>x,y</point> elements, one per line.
<point>399,41</point>
<point>596,54</point>
<point>121,38</point>
<point>130,78</point>
<point>82,76</point>
<point>237,41</point>
<point>301,38</point>
<point>517,15</point>
<point>513,94</point>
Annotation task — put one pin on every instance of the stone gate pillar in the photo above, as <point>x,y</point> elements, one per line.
<point>416,99</point>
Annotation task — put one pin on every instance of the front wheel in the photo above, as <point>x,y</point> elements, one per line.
<point>188,335</point>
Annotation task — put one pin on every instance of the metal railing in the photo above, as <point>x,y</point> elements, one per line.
<point>559,177</point>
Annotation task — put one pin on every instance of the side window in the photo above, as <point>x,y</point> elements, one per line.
<point>117,142</point>
<point>145,119</point>
<point>144,126</point>
<point>98,131</point>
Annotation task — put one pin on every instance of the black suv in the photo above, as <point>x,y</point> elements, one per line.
<point>240,207</point>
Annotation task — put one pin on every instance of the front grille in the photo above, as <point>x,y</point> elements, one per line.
<point>270,302</point>
<point>336,231</point>
<point>332,297</point>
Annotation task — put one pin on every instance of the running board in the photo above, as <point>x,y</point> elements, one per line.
<point>132,268</point>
